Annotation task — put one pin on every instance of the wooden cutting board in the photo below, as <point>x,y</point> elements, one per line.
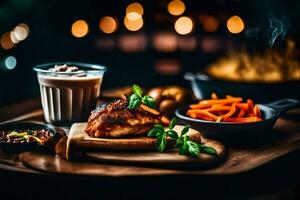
<point>137,150</point>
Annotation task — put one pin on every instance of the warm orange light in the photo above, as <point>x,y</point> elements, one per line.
<point>79,28</point>
<point>6,42</point>
<point>165,42</point>
<point>133,25</point>
<point>184,25</point>
<point>209,23</point>
<point>135,7</point>
<point>176,7</point>
<point>108,24</point>
<point>235,24</point>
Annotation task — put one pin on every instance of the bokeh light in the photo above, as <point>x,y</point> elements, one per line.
<point>176,7</point>
<point>6,42</point>
<point>135,8</point>
<point>79,28</point>
<point>133,25</point>
<point>209,23</point>
<point>187,43</point>
<point>184,25</point>
<point>235,24</point>
<point>20,32</point>
<point>165,42</point>
<point>131,43</point>
<point>108,24</point>
<point>10,62</point>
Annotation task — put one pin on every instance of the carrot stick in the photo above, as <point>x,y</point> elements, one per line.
<point>199,106</point>
<point>204,113</point>
<point>150,110</point>
<point>256,111</point>
<point>243,119</point>
<point>213,96</point>
<point>250,106</point>
<point>241,113</point>
<point>219,119</point>
<point>243,106</point>
<point>216,108</point>
<point>165,120</point>
<point>220,101</point>
<point>230,112</point>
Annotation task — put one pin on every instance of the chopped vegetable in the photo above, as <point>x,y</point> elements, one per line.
<point>228,109</point>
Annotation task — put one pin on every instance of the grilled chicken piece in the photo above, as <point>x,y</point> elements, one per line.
<point>116,120</point>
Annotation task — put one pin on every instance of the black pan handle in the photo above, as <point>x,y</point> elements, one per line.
<point>284,105</point>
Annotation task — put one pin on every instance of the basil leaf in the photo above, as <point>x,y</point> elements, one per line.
<point>155,132</point>
<point>183,148</point>
<point>172,134</point>
<point>172,123</point>
<point>160,127</point>
<point>193,148</point>
<point>207,149</point>
<point>134,101</point>
<point>185,130</point>
<point>137,90</point>
<point>161,142</point>
<point>149,101</point>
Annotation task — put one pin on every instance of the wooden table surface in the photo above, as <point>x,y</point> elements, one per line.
<point>281,175</point>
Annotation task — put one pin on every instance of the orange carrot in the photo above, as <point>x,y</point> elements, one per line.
<point>243,119</point>
<point>218,107</point>
<point>229,109</point>
<point>198,106</point>
<point>204,113</point>
<point>256,111</point>
<point>230,112</point>
<point>213,96</point>
<point>250,106</point>
<point>243,106</point>
<point>220,101</point>
<point>241,113</point>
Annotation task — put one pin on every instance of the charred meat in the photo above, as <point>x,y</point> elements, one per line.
<point>116,120</point>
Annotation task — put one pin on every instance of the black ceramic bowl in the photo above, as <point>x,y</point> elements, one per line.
<point>203,85</point>
<point>21,147</point>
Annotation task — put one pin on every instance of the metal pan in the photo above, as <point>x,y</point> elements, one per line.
<point>270,113</point>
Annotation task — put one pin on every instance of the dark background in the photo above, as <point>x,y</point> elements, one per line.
<point>50,39</point>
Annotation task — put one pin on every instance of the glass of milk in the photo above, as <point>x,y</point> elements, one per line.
<point>69,90</point>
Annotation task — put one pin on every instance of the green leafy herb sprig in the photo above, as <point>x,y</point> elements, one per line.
<point>184,144</point>
<point>137,98</point>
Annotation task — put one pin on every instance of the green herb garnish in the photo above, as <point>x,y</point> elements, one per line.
<point>137,98</point>
<point>184,144</point>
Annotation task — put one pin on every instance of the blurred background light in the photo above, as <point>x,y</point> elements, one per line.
<point>176,7</point>
<point>165,42</point>
<point>168,66</point>
<point>20,32</point>
<point>187,43</point>
<point>79,28</point>
<point>135,8</point>
<point>184,25</point>
<point>209,23</point>
<point>210,44</point>
<point>10,62</point>
<point>108,24</point>
<point>235,24</point>
<point>133,25</point>
<point>133,43</point>
<point>6,42</point>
